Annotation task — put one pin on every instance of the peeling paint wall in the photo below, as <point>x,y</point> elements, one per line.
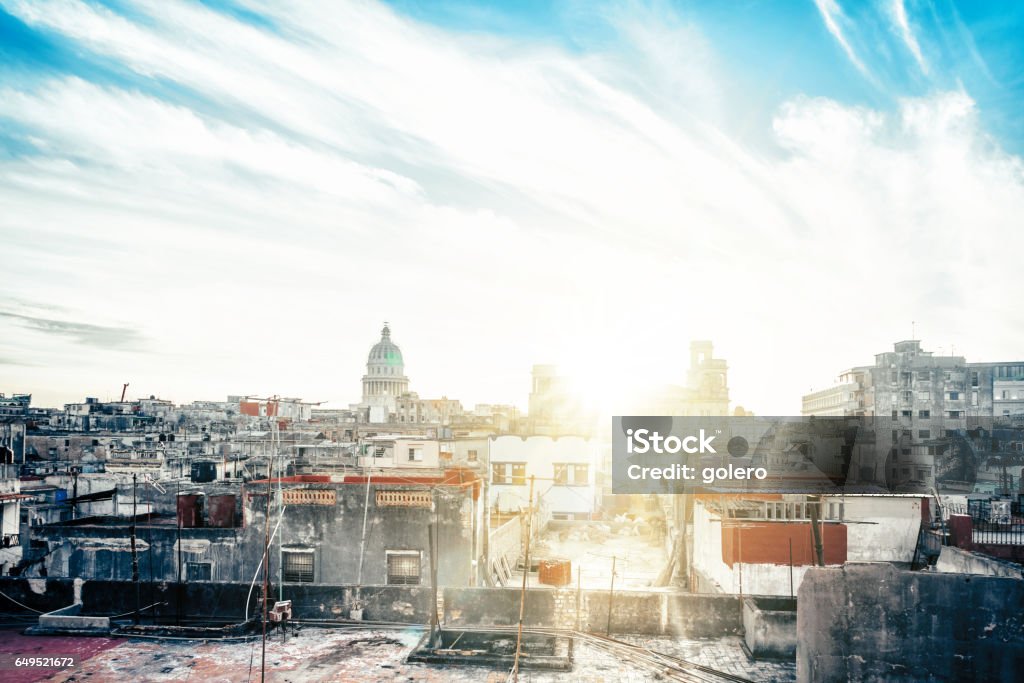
<point>873,622</point>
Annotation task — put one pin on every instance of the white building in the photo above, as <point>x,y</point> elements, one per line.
<point>762,545</point>
<point>10,517</point>
<point>399,451</point>
<point>564,468</point>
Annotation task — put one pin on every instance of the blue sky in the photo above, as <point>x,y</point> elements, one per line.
<point>774,50</point>
<point>206,198</point>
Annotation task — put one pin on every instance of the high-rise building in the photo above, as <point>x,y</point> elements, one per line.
<point>919,400</point>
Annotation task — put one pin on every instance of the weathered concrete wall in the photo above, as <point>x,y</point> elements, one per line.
<point>44,595</point>
<point>219,602</point>
<point>639,612</point>
<point>506,541</point>
<point>101,549</point>
<point>956,561</point>
<point>334,532</point>
<point>873,622</point>
<point>498,607</point>
<point>769,626</point>
<point>402,604</point>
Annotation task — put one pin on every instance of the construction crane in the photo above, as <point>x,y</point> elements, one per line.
<point>123,390</point>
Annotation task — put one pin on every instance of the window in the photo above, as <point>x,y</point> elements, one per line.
<point>471,456</point>
<point>923,396</point>
<point>924,413</point>
<point>923,375</point>
<point>924,434</point>
<point>403,567</point>
<point>974,379</point>
<point>197,571</point>
<point>298,567</point>
<point>569,474</point>
<point>955,413</point>
<point>954,396</point>
<point>508,473</point>
<point>416,454</point>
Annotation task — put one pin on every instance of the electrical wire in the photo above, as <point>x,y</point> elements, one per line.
<point>21,604</point>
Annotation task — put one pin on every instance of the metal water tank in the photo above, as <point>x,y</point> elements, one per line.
<point>190,510</point>
<point>555,572</point>
<point>222,511</point>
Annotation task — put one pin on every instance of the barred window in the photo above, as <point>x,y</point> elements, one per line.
<point>197,571</point>
<point>298,567</point>
<point>403,567</point>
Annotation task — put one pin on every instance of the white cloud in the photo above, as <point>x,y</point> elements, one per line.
<point>501,203</point>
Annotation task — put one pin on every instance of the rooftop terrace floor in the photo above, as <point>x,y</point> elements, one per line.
<point>340,654</point>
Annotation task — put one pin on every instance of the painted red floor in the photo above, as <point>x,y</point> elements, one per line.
<point>14,644</point>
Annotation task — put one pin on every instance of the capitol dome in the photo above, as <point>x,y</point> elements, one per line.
<point>385,378</point>
<point>385,352</point>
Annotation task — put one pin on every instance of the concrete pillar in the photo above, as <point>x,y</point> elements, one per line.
<point>961,531</point>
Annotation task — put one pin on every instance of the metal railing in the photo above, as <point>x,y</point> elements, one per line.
<point>992,525</point>
<point>995,533</point>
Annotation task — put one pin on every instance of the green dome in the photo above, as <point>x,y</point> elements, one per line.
<point>385,352</point>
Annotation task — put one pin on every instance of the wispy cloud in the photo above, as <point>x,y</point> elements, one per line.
<point>832,15</point>
<point>99,336</point>
<point>898,10</point>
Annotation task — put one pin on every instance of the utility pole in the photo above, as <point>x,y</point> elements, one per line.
<point>814,502</point>
<point>266,585</point>
<point>611,596</point>
<point>280,508</point>
<point>790,567</point>
<point>135,555</point>
<point>177,503</point>
<point>522,593</point>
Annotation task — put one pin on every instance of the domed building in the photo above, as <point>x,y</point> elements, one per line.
<point>385,378</point>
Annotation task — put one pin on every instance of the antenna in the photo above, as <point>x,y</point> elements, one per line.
<point>913,332</point>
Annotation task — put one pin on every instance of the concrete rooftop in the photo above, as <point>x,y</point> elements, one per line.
<point>338,654</point>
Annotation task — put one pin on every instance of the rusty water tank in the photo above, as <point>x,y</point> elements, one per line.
<point>190,510</point>
<point>555,572</point>
<point>221,510</point>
